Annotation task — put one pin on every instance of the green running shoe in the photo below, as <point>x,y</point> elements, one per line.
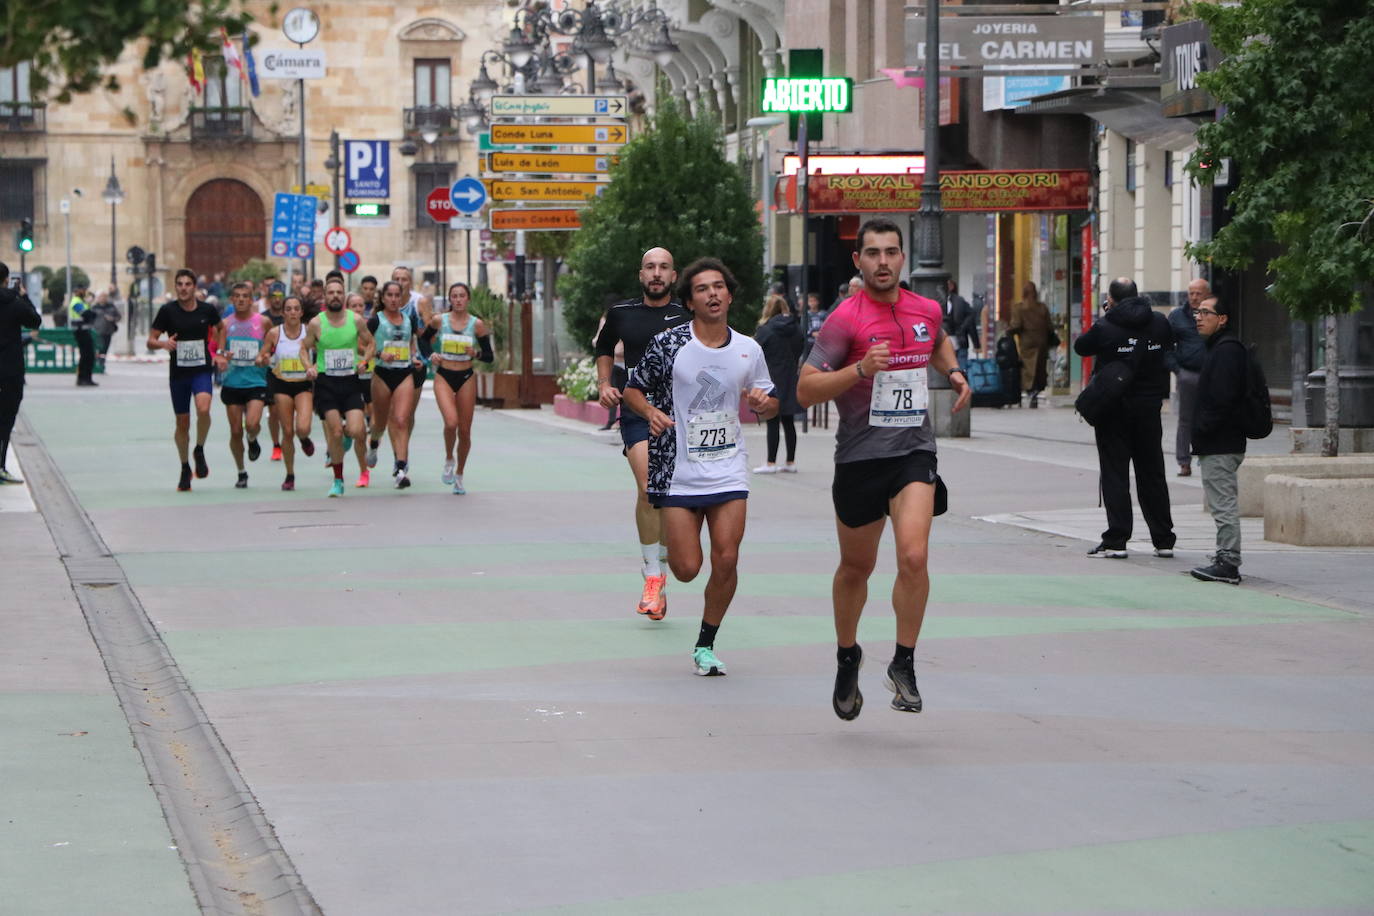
<point>7,477</point>
<point>706,662</point>
<point>336,489</point>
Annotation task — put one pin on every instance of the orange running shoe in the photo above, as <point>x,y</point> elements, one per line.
<point>276,453</point>
<point>364,478</point>
<point>654,604</point>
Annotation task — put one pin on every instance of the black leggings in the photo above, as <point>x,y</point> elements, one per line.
<point>789,431</point>
<point>11,393</point>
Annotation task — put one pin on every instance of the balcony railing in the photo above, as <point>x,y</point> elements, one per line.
<point>23,117</point>
<point>221,125</point>
<point>442,119</point>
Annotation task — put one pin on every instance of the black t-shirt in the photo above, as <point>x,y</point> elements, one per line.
<point>190,328</point>
<point>634,324</point>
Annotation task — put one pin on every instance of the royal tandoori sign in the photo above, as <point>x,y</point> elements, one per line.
<point>966,192</point>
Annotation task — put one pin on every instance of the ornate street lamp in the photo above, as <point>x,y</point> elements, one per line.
<point>114,196</point>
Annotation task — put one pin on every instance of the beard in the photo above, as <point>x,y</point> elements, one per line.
<point>651,294</point>
<point>334,306</point>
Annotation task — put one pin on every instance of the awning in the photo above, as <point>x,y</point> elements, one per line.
<point>1128,105</point>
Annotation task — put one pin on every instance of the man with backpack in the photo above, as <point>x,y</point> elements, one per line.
<point>1219,433</point>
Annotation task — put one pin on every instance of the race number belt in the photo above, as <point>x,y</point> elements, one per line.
<point>243,352</point>
<point>713,436</point>
<point>899,398</point>
<point>190,353</point>
<point>340,362</point>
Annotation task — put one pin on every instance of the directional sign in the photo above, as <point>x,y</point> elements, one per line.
<point>467,222</point>
<point>546,190</point>
<point>293,222</point>
<point>615,134</point>
<point>349,261</point>
<point>561,106</point>
<point>369,168</point>
<point>468,194</point>
<point>547,163</point>
<point>438,205</point>
<point>338,240</point>
<point>543,220</point>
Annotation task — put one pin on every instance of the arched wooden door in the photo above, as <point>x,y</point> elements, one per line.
<point>225,226</point>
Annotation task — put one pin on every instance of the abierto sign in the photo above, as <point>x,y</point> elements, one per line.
<point>980,41</point>
<point>293,64</point>
<point>803,95</point>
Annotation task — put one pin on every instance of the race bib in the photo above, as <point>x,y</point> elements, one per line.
<point>396,352</point>
<point>456,346</point>
<point>290,369</point>
<point>190,353</point>
<point>243,352</point>
<point>899,398</point>
<point>713,436</point>
<point>340,362</point>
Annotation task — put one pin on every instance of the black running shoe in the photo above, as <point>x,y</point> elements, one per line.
<point>254,450</point>
<point>901,680</point>
<point>848,701</point>
<point>185,484</point>
<point>242,482</point>
<point>1218,572</point>
<point>307,446</point>
<point>202,469</point>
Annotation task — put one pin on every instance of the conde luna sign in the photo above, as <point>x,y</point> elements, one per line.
<point>980,41</point>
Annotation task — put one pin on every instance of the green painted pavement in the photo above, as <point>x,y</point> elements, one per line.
<point>81,821</point>
<point>1306,868</point>
<point>276,656</point>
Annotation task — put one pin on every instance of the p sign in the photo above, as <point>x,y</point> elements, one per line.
<point>369,168</point>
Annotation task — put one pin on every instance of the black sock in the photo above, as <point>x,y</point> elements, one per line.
<point>4,450</point>
<point>849,655</point>
<point>373,443</point>
<point>904,655</point>
<point>400,465</point>
<point>186,466</point>
<point>707,636</point>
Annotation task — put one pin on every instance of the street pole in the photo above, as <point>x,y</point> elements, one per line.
<point>468,233</point>
<point>765,126</point>
<point>67,219</point>
<point>334,153</point>
<point>930,279</point>
<point>300,88</point>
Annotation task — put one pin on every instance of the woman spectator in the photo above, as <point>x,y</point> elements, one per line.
<point>780,337</point>
<point>1031,326</point>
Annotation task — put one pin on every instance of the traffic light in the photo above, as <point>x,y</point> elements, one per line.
<point>24,242</point>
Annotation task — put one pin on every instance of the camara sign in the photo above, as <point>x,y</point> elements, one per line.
<point>295,64</point>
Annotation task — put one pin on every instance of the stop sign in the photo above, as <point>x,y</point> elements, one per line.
<point>439,207</point>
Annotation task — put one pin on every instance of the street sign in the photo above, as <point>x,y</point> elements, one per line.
<point>560,106</point>
<point>467,222</point>
<point>438,205</point>
<point>369,168</point>
<point>468,194</point>
<point>314,190</point>
<point>349,261</point>
<point>615,134</point>
<point>305,249</point>
<point>338,240</point>
<point>135,255</point>
<point>546,190</point>
<point>549,163</point>
<point>293,222</point>
<point>295,64</point>
<point>281,248</point>
<point>541,220</point>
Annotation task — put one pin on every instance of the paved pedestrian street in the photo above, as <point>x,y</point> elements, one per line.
<point>448,704</point>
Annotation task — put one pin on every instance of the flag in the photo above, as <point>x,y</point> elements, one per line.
<point>196,71</point>
<point>899,76</point>
<point>251,69</point>
<point>231,54</point>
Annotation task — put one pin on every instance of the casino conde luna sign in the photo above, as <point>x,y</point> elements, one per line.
<point>967,192</point>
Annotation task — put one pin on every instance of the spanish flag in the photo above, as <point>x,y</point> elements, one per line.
<point>196,71</point>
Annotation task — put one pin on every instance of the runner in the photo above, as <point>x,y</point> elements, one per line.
<point>289,384</point>
<point>188,325</point>
<point>341,342</point>
<point>358,306</point>
<point>393,385</point>
<point>871,358</point>
<point>634,323</point>
<point>420,308</point>
<point>462,337</point>
<point>272,311</point>
<point>694,376</point>
<point>244,390</point>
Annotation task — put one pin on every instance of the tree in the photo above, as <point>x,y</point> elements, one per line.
<point>674,188</point>
<point>255,270</point>
<point>70,42</point>
<point>1297,83</point>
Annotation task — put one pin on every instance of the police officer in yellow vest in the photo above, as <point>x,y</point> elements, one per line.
<point>79,318</point>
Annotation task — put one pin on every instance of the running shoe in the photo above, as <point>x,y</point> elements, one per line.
<point>289,483</point>
<point>766,469</point>
<point>254,450</point>
<point>276,452</point>
<point>458,488</point>
<point>901,680</point>
<point>364,478</point>
<point>654,604</point>
<point>1164,553</point>
<point>450,467</point>
<point>184,485</point>
<point>402,479</point>
<point>7,477</point>
<point>1217,572</point>
<point>336,488</point>
<point>788,469</point>
<point>202,469</point>
<point>706,663</point>
<point>307,446</point>
<point>370,459</point>
<point>1102,550</point>
<point>848,700</point>
<point>242,482</point>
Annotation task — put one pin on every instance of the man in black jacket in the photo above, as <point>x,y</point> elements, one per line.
<point>959,324</point>
<point>1218,438</point>
<point>16,314</point>
<point>1185,363</point>
<point>1134,332</point>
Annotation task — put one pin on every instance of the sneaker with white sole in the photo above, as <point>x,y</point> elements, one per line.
<point>901,680</point>
<point>705,661</point>
<point>1164,553</point>
<point>449,467</point>
<point>766,469</point>
<point>1102,550</point>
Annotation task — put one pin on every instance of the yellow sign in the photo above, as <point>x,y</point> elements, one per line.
<point>314,190</point>
<point>548,163</point>
<point>551,134</point>
<point>543,220</point>
<point>502,189</point>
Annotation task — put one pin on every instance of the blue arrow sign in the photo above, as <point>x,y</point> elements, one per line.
<point>467,195</point>
<point>369,168</point>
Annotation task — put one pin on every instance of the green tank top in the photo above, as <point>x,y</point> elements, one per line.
<point>336,353</point>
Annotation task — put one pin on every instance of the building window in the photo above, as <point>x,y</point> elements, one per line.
<point>428,176</point>
<point>14,83</point>
<point>1168,169</point>
<point>431,83</point>
<point>1130,165</point>
<point>16,192</point>
<point>223,84</point>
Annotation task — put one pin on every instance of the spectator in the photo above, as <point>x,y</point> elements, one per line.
<point>1030,325</point>
<point>79,318</point>
<point>959,324</point>
<point>780,337</point>
<point>1218,439</point>
<point>1186,362</point>
<point>16,314</point>
<point>105,324</point>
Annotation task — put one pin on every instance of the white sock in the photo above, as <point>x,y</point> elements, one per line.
<point>649,555</point>
<point>663,554</point>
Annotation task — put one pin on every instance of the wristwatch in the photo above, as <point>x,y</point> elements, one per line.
<point>951,372</point>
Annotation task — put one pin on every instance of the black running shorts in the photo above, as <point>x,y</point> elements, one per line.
<point>862,490</point>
